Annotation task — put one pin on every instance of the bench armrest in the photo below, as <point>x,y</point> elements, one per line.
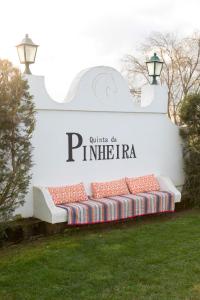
<point>167,185</point>
<point>44,207</point>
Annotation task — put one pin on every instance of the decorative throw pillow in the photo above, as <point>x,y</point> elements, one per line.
<point>68,193</point>
<point>109,188</point>
<point>143,184</point>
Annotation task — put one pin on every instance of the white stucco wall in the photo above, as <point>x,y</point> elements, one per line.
<point>102,106</point>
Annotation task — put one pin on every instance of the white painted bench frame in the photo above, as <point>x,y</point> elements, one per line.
<point>45,209</point>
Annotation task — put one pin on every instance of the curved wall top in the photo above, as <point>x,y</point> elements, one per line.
<point>100,89</point>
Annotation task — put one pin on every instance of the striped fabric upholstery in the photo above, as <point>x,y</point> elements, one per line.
<point>118,207</point>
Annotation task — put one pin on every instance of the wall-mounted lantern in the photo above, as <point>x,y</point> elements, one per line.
<point>27,52</point>
<point>154,67</point>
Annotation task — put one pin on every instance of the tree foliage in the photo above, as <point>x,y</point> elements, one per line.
<point>190,117</point>
<point>16,128</point>
<point>181,69</point>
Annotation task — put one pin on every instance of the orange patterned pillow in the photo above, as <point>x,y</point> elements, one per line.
<point>109,188</point>
<point>143,184</point>
<point>68,193</point>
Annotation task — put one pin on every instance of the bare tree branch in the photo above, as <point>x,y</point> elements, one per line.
<point>181,69</point>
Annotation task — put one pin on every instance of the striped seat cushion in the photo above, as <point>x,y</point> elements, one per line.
<point>118,207</point>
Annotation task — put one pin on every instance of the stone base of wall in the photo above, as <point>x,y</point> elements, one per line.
<point>30,229</point>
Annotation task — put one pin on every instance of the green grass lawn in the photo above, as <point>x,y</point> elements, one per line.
<point>149,258</point>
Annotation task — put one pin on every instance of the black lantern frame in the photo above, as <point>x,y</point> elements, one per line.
<point>27,51</point>
<point>154,67</point>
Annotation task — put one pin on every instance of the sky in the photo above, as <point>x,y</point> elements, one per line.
<point>77,34</point>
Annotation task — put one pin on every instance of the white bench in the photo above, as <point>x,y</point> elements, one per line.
<point>45,209</point>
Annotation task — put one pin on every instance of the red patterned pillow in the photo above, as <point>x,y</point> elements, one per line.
<point>109,188</point>
<point>143,184</point>
<point>68,193</point>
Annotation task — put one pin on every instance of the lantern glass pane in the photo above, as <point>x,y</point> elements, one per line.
<point>150,67</point>
<point>20,50</point>
<point>30,53</point>
<point>158,68</point>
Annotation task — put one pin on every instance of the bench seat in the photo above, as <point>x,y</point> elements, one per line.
<point>118,207</point>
